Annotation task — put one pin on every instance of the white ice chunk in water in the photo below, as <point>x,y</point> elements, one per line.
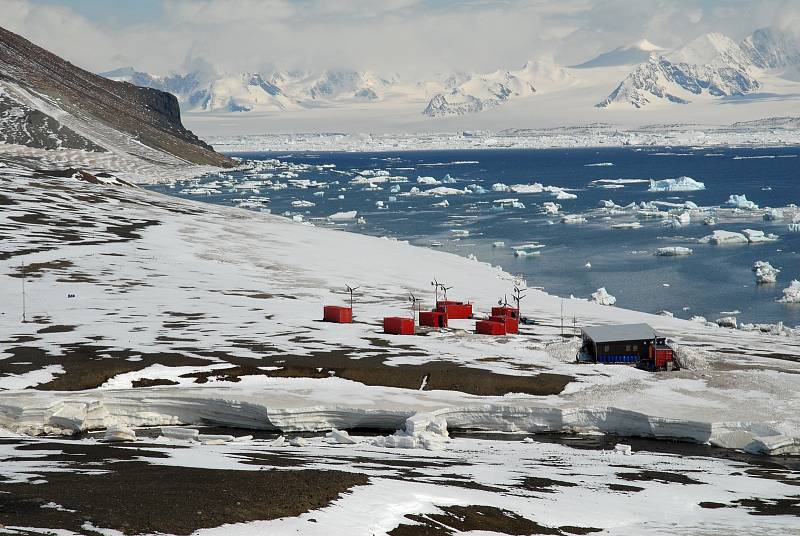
<point>673,251</point>
<point>740,201</point>
<point>791,294</point>
<point>603,297</point>
<point>765,272</point>
<point>681,184</point>
<point>343,216</point>
<point>724,237</point>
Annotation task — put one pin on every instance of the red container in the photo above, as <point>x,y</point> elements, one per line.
<point>398,325</point>
<point>663,356</point>
<point>511,324</point>
<point>505,311</point>
<point>455,310</point>
<point>337,314</point>
<point>434,319</point>
<point>488,327</point>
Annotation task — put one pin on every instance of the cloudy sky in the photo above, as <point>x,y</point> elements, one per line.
<point>405,36</point>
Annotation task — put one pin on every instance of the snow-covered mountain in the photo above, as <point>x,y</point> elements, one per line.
<point>631,54</point>
<point>711,64</point>
<point>638,75</point>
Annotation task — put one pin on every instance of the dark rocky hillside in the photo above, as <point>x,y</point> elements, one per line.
<point>150,116</point>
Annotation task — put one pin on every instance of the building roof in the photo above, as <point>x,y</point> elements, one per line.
<point>620,332</point>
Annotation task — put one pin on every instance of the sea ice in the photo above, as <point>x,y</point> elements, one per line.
<point>773,214</point>
<point>302,204</point>
<point>562,195</point>
<point>343,216</point>
<point>428,180</point>
<point>791,294</point>
<point>119,432</point>
<point>603,297</point>
<point>573,218</point>
<point>724,237</point>
<point>727,322</point>
<point>741,202</point>
<point>673,251</point>
<point>754,236</point>
<point>341,437</point>
<point>500,187</point>
<point>551,208</point>
<point>681,184</point>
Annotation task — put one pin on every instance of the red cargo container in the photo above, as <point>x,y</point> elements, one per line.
<point>455,310</point>
<point>511,324</point>
<point>337,314</point>
<point>434,319</point>
<point>398,325</point>
<point>663,356</point>
<point>505,311</point>
<point>488,327</point>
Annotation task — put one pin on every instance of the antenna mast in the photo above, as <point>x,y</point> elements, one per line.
<point>351,290</point>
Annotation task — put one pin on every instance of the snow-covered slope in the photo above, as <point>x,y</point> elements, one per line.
<point>631,54</point>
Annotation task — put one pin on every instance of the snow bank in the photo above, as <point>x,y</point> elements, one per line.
<point>673,251</point>
<point>765,272</point>
<point>681,184</point>
<point>603,297</point>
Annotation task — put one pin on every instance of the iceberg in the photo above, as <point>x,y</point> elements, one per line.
<point>681,184</point>
<point>534,188</point>
<point>765,272</point>
<point>551,208</point>
<point>724,237</point>
<point>773,214</point>
<point>343,216</point>
<point>755,237</point>
<point>603,297</point>
<point>673,251</point>
<point>791,294</point>
<point>741,202</point>
<point>561,195</point>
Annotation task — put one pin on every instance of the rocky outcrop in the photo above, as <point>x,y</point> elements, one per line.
<point>149,116</point>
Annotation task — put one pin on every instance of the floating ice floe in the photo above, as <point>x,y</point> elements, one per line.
<point>599,164</point>
<point>443,204</point>
<point>551,208</point>
<point>573,218</point>
<point>773,214</point>
<point>344,216</point>
<point>500,187</point>
<point>498,244</point>
<point>673,251</point>
<point>709,220</point>
<point>176,432</point>
<point>428,180</point>
<point>791,294</point>
<point>301,203</point>
<point>476,189</point>
<point>603,297</point>
<point>754,237</point>
<point>534,188</point>
<point>448,179</point>
<point>443,191</point>
<point>525,250</point>
<point>459,232</point>
<point>630,225</point>
<point>765,272</point>
<point>681,184</point>
<point>740,202</point>
<point>724,237</point>
<point>380,204</point>
<point>588,265</point>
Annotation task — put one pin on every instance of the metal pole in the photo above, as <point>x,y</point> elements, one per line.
<point>24,305</point>
<point>562,317</point>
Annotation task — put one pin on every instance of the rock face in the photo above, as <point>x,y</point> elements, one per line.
<point>53,86</point>
<point>662,80</point>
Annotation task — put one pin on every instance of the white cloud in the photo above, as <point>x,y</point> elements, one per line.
<point>409,36</point>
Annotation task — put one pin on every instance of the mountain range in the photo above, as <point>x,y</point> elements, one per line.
<point>637,75</point>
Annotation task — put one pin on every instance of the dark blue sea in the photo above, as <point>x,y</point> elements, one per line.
<point>713,282</point>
